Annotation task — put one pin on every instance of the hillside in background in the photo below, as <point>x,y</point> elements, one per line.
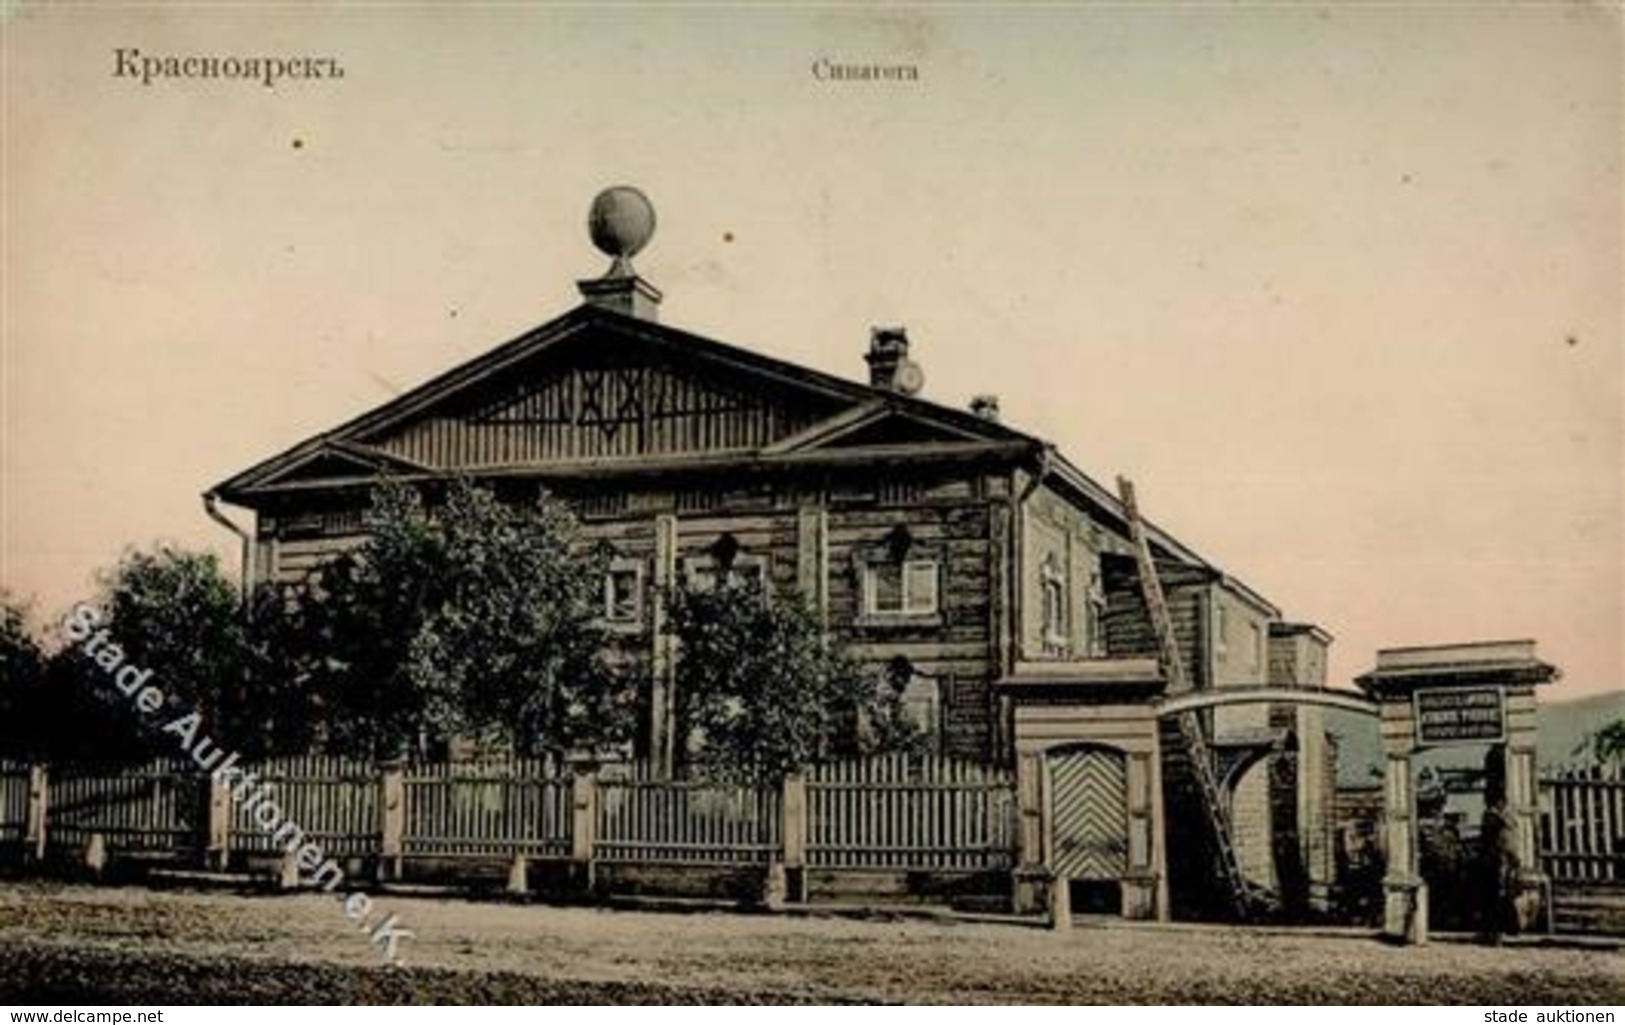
<point>1565,727</point>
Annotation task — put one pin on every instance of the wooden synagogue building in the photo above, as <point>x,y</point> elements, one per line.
<point>946,544</point>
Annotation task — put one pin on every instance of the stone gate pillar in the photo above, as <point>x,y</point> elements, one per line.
<point>1533,896</point>
<point>1479,693</point>
<point>1404,892</point>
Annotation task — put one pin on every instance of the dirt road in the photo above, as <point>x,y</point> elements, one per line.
<point>127,945</point>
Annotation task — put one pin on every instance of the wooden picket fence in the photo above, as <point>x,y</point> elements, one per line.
<point>895,812</point>
<point>687,822</point>
<point>333,801</point>
<point>900,812</point>
<point>1582,825</point>
<point>154,807</point>
<point>13,801</point>
<point>488,809</point>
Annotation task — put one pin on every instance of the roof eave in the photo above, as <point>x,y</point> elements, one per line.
<point>738,461</point>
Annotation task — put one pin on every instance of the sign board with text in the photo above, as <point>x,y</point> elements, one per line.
<point>1460,715</point>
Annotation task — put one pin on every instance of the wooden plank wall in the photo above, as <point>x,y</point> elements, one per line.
<point>948,518</point>
<point>1129,633</point>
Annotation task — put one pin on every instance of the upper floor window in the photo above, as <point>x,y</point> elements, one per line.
<point>1221,630</point>
<point>623,594</point>
<point>907,588</point>
<point>1096,639</point>
<point>898,579</point>
<point>723,563</point>
<point>702,572</point>
<point>1052,586</point>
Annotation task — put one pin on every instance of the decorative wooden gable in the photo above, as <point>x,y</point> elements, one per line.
<point>338,460</point>
<point>599,402</point>
<point>880,424</point>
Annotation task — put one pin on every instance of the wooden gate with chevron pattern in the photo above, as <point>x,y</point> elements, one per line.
<point>1088,813</point>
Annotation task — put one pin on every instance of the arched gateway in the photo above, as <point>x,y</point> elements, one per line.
<point>1090,757</point>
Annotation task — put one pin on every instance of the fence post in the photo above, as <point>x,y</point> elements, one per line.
<point>392,815</point>
<point>794,836</point>
<point>584,827</point>
<point>38,787</point>
<point>1060,903</point>
<point>217,845</point>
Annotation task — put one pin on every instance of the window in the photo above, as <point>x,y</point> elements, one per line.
<point>921,701</point>
<point>623,594</point>
<point>701,572</point>
<point>1097,617</point>
<point>919,697</point>
<point>1052,584</point>
<point>1221,629</point>
<point>898,580</point>
<point>907,588</point>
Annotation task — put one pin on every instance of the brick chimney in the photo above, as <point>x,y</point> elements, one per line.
<point>890,369</point>
<point>986,407</point>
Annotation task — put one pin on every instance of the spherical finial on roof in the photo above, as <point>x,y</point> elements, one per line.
<point>621,221</point>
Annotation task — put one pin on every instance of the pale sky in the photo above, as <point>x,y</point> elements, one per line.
<point>1340,288</point>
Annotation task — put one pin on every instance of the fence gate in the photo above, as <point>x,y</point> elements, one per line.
<point>1088,813</point>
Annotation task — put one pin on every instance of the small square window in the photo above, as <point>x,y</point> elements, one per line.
<point>901,589</point>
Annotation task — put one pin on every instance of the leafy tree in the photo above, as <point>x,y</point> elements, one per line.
<point>165,610</point>
<point>174,611</point>
<point>761,692</point>
<point>475,618</point>
<point>1608,743</point>
<point>22,679</point>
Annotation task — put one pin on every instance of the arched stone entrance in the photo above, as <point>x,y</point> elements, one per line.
<point>1277,790</point>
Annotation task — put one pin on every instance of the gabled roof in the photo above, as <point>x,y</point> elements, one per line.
<point>857,405</point>
<point>872,423</point>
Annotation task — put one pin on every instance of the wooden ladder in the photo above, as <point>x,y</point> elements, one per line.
<point>1191,732</point>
